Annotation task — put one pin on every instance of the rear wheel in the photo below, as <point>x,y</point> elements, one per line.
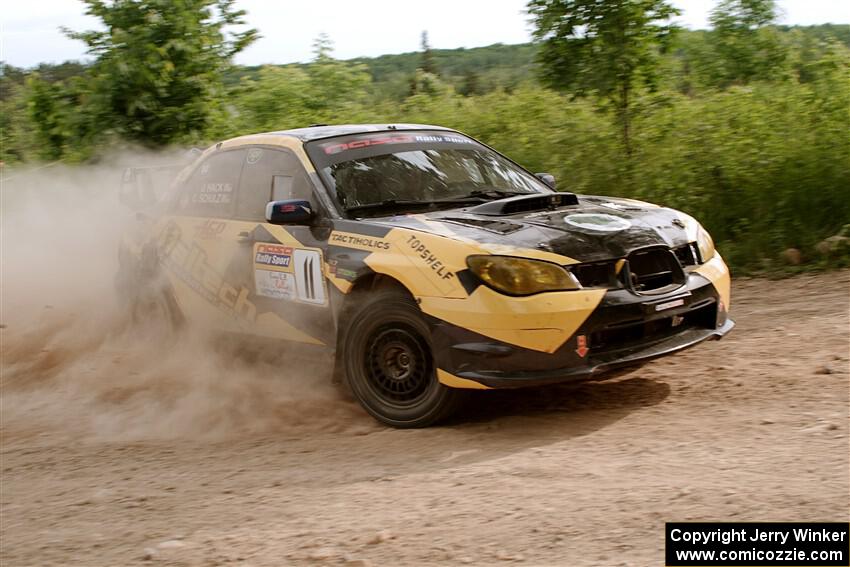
<point>145,294</point>
<point>389,365</point>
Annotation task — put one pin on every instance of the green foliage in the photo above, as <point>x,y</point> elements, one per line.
<point>279,98</point>
<point>12,115</point>
<point>64,123</point>
<point>727,160</point>
<point>497,67</point>
<point>746,45</point>
<point>762,159</point>
<point>602,48</point>
<point>158,63</point>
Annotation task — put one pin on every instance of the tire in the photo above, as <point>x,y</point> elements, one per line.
<point>149,301</point>
<point>389,365</point>
<point>156,311</point>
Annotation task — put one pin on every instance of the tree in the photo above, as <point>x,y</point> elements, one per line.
<point>158,62</point>
<point>471,86</point>
<point>427,64</point>
<point>605,49</point>
<point>746,41</point>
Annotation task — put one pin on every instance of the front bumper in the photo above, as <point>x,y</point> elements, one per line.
<point>624,331</point>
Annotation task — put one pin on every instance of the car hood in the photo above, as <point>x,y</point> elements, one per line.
<point>590,229</point>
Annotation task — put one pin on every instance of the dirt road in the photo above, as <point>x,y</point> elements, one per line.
<point>114,453</point>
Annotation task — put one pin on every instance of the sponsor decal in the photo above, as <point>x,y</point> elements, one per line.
<point>343,273</point>
<point>277,285</point>
<point>273,255</point>
<point>355,240</point>
<point>209,228</point>
<point>597,222</point>
<point>429,258</point>
<point>453,139</point>
<point>669,304</point>
<point>356,144</point>
<point>331,149</point>
<point>308,276</point>
<point>189,264</point>
<point>581,342</point>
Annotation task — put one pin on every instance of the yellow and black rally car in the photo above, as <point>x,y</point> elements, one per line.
<point>425,262</point>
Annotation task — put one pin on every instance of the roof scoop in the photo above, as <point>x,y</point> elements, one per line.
<point>525,204</point>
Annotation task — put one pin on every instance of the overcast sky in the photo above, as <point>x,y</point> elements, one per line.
<point>29,31</point>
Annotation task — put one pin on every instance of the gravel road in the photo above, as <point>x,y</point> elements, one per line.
<point>127,450</point>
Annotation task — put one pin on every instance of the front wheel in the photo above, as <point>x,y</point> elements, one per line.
<point>389,365</point>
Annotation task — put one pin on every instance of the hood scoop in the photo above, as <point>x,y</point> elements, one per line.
<point>524,204</point>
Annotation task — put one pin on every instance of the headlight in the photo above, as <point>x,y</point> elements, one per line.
<point>521,276</point>
<point>705,245</point>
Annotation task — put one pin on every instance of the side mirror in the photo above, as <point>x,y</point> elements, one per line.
<point>290,211</point>
<point>546,178</point>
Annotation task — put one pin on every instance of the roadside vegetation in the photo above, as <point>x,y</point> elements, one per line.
<point>745,126</point>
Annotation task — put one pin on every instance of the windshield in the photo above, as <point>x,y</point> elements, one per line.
<point>406,170</point>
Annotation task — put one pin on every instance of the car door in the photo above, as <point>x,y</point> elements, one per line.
<point>196,241</point>
<point>285,264</point>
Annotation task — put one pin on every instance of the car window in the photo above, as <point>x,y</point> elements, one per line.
<point>211,189</point>
<point>270,175</point>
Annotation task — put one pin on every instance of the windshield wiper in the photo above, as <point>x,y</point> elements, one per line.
<point>395,203</point>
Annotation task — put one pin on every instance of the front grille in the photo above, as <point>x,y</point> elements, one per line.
<point>596,274</point>
<point>654,270</point>
<point>650,270</point>
<point>687,254</point>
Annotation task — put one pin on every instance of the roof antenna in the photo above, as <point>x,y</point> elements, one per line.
<point>391,127</point>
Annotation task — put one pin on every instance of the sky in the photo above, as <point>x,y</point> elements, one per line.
<point>29,31</point>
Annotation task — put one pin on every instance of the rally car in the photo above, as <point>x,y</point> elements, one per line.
<point>426,262</point>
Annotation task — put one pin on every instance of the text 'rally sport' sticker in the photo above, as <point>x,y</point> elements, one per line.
<point>273,255</point>
<point>597,222</point>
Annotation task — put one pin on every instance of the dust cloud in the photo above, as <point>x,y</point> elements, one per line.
<point>74,362</point>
